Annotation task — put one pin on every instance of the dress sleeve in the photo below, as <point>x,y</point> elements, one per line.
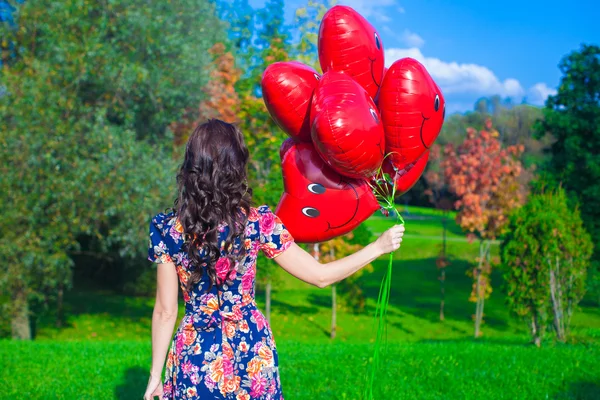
<point>274,237</point>
<point>165,238</point>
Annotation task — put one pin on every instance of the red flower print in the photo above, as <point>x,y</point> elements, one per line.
<point>248,279</point>
<point>260,320</point>
<point>222,267</point>
<point>168,388</point>
<point>259,385</point>
<point>227,367</point>
<point>179,344</point>
<point>267,224</point>
<point>186,367</point>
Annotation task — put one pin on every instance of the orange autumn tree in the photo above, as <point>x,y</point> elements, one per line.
<point>221,99</point>
<point>484,178</point>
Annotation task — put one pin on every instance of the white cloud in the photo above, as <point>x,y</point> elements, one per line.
<point>407,37</point>
<point>538,94</point>
<point>401,10</point>
<point>371,8</point>
<point>412,39</point>
<point>460,78</point>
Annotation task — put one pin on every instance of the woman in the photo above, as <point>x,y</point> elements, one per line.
<point>224,348</point>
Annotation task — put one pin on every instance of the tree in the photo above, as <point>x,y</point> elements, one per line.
<point>514,123</point>
<point>307,20</point>
<point>221,99</point>
<point>84,154</point>
<point>546,254</point>
<point>352,294</point>
<point>572,117</point>
<point>483,177</point>
<point>439,195</point>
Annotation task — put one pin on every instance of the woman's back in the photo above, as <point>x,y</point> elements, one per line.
<point>223,343</point>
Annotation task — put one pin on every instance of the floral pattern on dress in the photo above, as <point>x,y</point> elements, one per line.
<point>223,347</point>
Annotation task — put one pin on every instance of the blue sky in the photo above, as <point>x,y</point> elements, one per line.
<point>481,48</point>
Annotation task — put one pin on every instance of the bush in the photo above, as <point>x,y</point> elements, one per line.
<point>546,255</point>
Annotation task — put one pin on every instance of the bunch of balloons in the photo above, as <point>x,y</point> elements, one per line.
<point>353,127</point>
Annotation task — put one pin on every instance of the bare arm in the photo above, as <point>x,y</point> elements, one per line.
<point>303,266</point>
<point>163,321</point>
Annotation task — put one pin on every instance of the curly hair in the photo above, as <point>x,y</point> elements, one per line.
<point>213,192</point>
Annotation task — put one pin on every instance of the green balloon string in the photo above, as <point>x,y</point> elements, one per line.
<point>381,310</point>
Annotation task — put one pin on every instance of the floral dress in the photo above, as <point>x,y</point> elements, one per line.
<point>224,347</point>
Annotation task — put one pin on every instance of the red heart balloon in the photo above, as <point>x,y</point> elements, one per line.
<point>412,109</point>
<point>405,178</point>
<point>346,127</point>
<point>319,204</point>
<point>287,91</point>
<point>349,43</point>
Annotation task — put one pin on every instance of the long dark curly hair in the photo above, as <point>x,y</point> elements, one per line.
<point>213,191</point>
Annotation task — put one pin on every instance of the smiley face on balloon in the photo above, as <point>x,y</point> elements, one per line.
<point>412,109</point>
<point>318,203</point>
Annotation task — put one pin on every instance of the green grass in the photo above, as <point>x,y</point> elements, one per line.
<point>453,370</point>
<point>103,351</point>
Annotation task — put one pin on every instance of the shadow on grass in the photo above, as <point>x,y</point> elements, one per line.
<point>416,291</point>
<point>132,309</point>
<point>286,308</point>
<point>581,391</point>
<point>134,384</point>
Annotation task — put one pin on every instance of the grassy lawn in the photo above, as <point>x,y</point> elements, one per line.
<point>434,370</point>
<point>103,351</point>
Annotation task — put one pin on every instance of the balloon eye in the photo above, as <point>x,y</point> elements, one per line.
<point>316,188</point>
<point>374,115</point>
<point>436,103</point>
<point>317,77</point>
<point>310,212</point>
<point>377,42</point>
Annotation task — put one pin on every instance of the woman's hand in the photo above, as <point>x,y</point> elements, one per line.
<point>390,240</point>
<point>154,388</point>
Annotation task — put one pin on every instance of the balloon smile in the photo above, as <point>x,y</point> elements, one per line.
<point>329,227</point>
<point>380,149</point>
<point>372,73</point>
<point>421,130</point>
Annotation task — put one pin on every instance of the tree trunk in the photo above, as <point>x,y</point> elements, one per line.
<point>316,251</point>
<point>443,269</point>
<point>333,301</point>
<point>484,251</point>
<point>268,300</point>
<point>478,291</point>
<point>442,279</point>
<point>555,294</point>
<point>333,311</point>
<point>20,324</point>
<point>536,330</point>
<point>478,306</point>
<point>59,306</point>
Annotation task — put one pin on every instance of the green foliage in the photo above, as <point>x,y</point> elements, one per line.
<point>546,255</point>
<point>514,123</point>
<point>307,20</point>
<point>572,117</point>
<point>89,80</point>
